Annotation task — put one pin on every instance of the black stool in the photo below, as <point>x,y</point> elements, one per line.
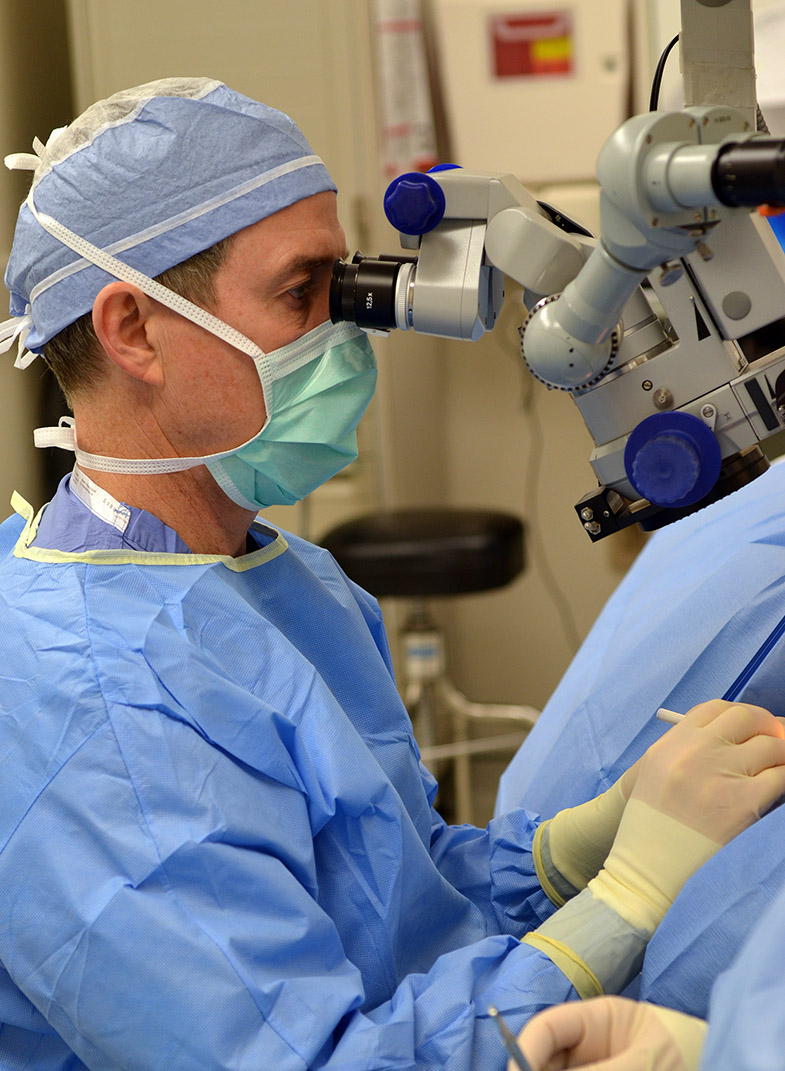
<point>421,553</point>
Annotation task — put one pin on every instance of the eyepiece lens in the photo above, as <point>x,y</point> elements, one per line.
<point>363,292</point>
<point>341,290</point>
<point>750,173</point>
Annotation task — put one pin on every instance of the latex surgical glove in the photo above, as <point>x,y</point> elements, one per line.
<point>570,848</point>
<point>613,1034</point>
<point>716,771</point>
<point>700,785</point>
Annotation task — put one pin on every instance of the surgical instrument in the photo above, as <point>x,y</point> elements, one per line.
<point>669,715</point>
<point>510,1044</point>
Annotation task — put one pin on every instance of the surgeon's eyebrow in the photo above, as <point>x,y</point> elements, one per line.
<point>303,264</point>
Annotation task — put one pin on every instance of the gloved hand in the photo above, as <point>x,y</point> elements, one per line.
<point>570,848</point>
<point>612,1034</point>
<point>703,782</point>
<point>716,771</point>
<point>697,787</point>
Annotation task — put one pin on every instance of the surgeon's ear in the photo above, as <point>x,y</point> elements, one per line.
<point>121,316</point>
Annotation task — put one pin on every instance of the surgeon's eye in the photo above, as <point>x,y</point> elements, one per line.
<point>301,293</point>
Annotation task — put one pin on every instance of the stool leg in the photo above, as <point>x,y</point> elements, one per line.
<point>423,666</point>
<point>463,712</point>
<point>457,701</point>
<point>423,714</point>
<point>424,670</point>
<point>428,691</point>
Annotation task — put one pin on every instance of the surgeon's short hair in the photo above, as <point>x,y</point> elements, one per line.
<point>75,355</point>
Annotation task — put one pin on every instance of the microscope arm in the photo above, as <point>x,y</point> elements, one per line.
<point>657,203</point>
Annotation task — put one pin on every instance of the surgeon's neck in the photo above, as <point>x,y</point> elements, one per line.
<point>117,420</point>
<point>189,502</point>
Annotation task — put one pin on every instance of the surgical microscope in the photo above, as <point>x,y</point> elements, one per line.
<point>668,329</point>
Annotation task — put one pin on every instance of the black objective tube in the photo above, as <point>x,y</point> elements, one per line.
<point>750,173</point>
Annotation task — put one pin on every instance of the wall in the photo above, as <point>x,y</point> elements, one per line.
<point>35,97</point>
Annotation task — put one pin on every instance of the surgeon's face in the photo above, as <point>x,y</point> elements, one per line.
<point>273,287</point>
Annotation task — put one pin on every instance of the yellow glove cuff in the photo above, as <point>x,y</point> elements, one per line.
<point>579,973</point>
<point>597,949</point>
<point>652,857</point>
<point>571,847</point>
<point>547,873</point>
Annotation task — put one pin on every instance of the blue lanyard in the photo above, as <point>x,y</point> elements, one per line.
<point>749,670</point>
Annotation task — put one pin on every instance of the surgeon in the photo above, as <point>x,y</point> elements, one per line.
<point>217,842</point>
<point>745,1031</point>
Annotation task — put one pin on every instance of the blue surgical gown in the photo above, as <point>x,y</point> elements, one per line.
<point>217,845</point>
<point>746,1016</point>
<point>700,615</point>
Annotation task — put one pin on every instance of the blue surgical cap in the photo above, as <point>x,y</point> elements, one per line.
<point>153,175</point>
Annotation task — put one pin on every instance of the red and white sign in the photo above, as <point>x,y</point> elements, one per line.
<point>532,44</point>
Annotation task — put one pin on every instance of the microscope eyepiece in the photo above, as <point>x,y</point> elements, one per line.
<point>750,173</point>
<point>372,292</point>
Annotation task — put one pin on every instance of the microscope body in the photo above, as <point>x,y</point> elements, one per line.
<point>667,330</point>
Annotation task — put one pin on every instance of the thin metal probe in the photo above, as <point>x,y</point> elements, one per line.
<point>510,1044</point>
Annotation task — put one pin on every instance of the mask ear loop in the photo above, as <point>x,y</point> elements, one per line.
<point>64,436</point>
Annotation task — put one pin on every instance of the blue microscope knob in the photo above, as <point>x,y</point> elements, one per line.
<point>414,203</point>
<point>672,459</point>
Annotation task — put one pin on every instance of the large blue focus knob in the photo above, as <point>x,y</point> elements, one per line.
<point>414,203</point>
<point>672,459</point>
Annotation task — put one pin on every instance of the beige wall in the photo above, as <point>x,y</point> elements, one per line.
<point>35,97</point>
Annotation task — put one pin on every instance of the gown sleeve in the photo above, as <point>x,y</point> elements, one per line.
<point>180,935</point>
<point>494,868</point>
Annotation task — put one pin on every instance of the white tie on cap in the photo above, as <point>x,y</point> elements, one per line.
<point>25,161</point>
<point>19,327</point>
<point>31,161</point>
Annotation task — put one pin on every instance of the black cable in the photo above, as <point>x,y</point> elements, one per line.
<point>530,392</point>
<point>657,81</point>
<point>552,587</point>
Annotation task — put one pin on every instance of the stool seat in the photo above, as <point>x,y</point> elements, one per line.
<point>429,551</point>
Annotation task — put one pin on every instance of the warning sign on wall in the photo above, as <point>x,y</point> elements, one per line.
<point>532,44</point>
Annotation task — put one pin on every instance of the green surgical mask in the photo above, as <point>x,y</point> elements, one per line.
<point>316,389</point>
